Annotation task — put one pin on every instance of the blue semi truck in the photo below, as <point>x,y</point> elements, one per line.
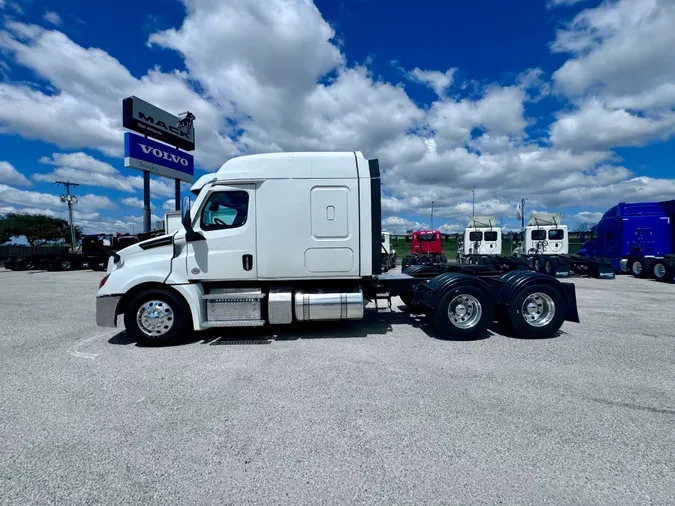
<point>637,238</point>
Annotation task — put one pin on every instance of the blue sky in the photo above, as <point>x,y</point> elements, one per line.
<point>568,103</point>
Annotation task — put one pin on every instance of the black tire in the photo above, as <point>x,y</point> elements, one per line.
<point>640,267</point>
<point>28,265</point>
<point>449,328</point>
<point>526,327</point>
<point>178,321</point>
<point>664,270</point>
<point>548,268</point>
<point>65,265</point>
<point>536,265</point>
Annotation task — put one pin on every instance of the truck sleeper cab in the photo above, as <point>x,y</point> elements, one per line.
<point>277,238</point>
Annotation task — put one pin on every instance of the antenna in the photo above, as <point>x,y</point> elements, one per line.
<point>71,200</point>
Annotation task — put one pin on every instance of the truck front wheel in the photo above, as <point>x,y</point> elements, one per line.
<point>465,312</point>
<point>156,317</point>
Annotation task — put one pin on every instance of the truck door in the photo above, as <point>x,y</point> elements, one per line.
<point>227,220</point>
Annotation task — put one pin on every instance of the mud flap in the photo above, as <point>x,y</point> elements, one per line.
<point>571,296</point>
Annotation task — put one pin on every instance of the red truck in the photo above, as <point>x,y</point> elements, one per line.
<point>426,247</point>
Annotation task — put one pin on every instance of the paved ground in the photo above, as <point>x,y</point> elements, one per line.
<point>374,413</point>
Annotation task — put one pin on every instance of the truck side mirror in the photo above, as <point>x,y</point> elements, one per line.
<point>190,234</point>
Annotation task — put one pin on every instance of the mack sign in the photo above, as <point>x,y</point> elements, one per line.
<point>142,117</point>
<point>157,158</point>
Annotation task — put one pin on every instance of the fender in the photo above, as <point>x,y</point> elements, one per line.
<point>431,292</point>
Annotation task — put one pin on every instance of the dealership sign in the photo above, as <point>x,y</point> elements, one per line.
<point>145,118</point>
<point>157,158</point>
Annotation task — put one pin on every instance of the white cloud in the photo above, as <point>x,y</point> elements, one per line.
<point>52,17</point>
<point>595,127</point>
<point>588,217</point>
<point>435,79</point>
<point>8,174</point>
<point>558,3</point>
<point>51,204</point>
<point>132,202</point>
<point>79,161</point>
<point>169,205</point>
<point>500,111</point>
<point>621,75</point>
<point>90,84</point>
<point>86,170</point>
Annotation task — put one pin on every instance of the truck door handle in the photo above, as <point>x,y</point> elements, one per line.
<point>247,262</point>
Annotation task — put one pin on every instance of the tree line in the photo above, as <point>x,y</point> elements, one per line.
<point>38,229</point>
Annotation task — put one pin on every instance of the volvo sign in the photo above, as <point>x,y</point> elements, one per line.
<point>145,118</point>
<point>157,158</point>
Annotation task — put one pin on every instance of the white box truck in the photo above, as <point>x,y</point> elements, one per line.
<point>283,237</point>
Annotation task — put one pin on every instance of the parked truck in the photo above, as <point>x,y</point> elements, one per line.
<point>388,252</point>
<point>544,243</point>
<point>481,244</point>
<point>426,248</point>
<point>249,256</point>
<point>638,238</point>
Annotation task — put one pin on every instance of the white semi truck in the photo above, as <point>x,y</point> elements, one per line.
<point>388,252</point>
<point>481,237</point>
<point>545,245</point>
<point>276,238</point>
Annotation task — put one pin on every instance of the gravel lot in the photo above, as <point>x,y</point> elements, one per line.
<point>377,412</point>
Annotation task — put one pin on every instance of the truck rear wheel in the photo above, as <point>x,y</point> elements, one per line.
<point>664,270</point>
<point>640,267</point>
<point>464,312</point>
<point>156,317</point>
<point>538,311</point>
<point>65,265</point>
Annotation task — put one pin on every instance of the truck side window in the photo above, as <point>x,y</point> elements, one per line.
<point>538,235</point>
<point>556,235</point>
<point>475,236</point>
<point>490,236</point>
<point>225,210</point>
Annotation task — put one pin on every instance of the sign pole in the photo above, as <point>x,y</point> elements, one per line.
<point>146,201</point>
<point>177,206</point>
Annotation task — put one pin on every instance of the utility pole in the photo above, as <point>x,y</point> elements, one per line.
<point>432,215</point>
<point>71,200</point>
<point>473,201</point>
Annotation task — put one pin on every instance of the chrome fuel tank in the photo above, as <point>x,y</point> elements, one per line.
<point>328,306</point>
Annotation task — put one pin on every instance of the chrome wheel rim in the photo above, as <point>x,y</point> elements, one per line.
<point>548,267</point>
<point>155,318</point>
<point>660,271</point>
<point>538,309</point>
<point>637,267</point>
<point>464,311</point>
<point>623,265</point>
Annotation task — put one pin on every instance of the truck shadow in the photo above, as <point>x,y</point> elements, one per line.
<point>374,323</point>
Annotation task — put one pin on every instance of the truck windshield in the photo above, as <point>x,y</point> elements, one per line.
<point>425,237</point>
<point>475,236</point>
<point>556,235</point>
<point>490,236</point>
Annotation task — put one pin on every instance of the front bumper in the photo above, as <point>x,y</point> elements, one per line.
<point>106,310</point>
